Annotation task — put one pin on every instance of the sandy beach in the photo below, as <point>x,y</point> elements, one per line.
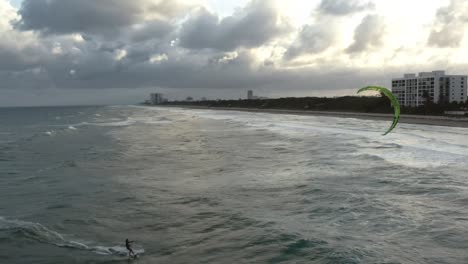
<point>409,119</point>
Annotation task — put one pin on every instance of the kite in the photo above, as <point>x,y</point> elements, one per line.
<point>393,100</point>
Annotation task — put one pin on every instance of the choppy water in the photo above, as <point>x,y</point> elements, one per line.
<point>200,186</point>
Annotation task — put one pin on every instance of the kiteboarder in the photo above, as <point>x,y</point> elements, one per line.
<point>128,246</point>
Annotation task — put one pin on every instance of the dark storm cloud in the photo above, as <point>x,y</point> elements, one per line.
<point>368,34</point>
<point>343,7</point>
<point>126,61</point>
<point>95,64</point>
<point>70,16</point>
<point>19,53</point>
<point>188,71</point>
<point>13,59</point>
<point>253,26</point>
<point>103,17</point>
<point>149,30</point>
<point>95,69</point>
<point>311,39</point>
<point>449,27</point>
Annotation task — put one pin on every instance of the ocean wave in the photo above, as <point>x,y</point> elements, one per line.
<point>417,156</point>
<point>131,121</point>
<point>410,145</point>
<point>127,122</point>
<point>41,234</point>
<point>121,123</point>
<point>112,123</point>
<point>50,133</point>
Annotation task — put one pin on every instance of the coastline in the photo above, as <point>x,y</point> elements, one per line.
<point>407,119</point>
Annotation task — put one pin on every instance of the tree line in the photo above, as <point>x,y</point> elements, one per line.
<point>363,104</point>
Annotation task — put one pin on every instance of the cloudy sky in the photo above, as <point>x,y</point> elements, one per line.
<point>55,52</point>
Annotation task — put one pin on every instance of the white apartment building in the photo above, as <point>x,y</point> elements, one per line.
<point>412,90</point>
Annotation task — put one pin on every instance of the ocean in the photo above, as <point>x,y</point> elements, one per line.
<point>206,186</point>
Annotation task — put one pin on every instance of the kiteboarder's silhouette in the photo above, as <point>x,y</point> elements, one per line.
<point>130,251</point>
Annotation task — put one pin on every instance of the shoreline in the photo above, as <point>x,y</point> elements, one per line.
<point>407,119</point>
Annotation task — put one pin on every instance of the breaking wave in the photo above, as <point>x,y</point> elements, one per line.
<point>125,123</point>
<point>417,146</point>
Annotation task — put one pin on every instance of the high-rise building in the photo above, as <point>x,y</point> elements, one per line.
<point>414,90</point>
<point>250,95</point>
<point>156,98</point>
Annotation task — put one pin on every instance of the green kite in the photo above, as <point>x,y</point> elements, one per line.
<point>393,100</point>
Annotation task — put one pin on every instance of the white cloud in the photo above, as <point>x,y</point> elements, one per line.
<point>369,34</point>
<point>120,54</point>
<point>450,25</point>
<point>7,14</point>
<point>158,58</point>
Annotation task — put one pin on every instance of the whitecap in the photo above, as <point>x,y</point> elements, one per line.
<point>417,145</point>
<point>50,133</point>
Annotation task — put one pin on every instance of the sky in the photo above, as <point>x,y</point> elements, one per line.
<point>61,52</point>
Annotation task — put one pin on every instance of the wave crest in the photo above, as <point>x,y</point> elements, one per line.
<point>42,234</point>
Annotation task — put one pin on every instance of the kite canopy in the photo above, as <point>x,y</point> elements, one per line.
<point>393,100</point>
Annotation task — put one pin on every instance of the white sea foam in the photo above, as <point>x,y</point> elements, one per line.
<point>50,133</point>
<point>420,145</point>
<point>115,250</point>
<point>120,123</point>
<point>115,122</point>
<point>275,143</point>
<point>150,120</point>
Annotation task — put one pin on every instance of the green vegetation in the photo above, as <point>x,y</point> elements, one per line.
<point>344,104</point>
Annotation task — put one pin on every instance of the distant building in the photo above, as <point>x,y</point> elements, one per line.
<point>189,99</point>
<point>156,98</point>
<point>436,86</point>
<point>250,95</point>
